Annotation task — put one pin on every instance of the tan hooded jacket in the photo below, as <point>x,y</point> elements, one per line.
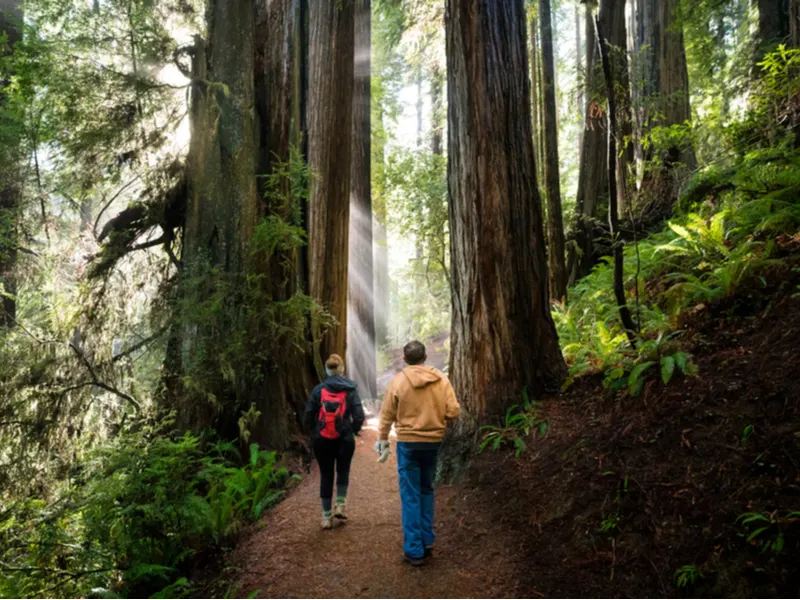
<point>418,402</point>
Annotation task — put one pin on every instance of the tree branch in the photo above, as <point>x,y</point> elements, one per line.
<point>104,386</point>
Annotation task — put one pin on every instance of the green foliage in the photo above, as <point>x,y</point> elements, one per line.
<point>686,576</point>
<point>722,245</point>
<point>249,323</point>
<point>767,530</point>
<point>519,422</point>
<point>417,211</point>
<point>139,513</point>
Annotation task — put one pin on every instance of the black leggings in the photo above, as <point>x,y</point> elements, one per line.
<point>332,454</point>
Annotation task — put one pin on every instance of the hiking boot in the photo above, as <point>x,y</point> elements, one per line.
<point>340,513</point>
<point>428,552</point>
<point>414,562</point>
<point>327,523</point>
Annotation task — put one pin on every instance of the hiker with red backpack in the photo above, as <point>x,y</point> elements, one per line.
<point>334,415</point>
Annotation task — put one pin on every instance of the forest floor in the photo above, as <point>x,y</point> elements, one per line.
<point>620,494</point>
<point>287,555</point>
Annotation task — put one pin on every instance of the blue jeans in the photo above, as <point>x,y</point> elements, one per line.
<point>416,467</point>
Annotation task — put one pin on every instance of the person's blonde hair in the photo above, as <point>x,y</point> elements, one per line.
<point>334,365</point>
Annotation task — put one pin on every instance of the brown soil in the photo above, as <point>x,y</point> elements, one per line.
<point>671,468</point>
<point>289,556</point>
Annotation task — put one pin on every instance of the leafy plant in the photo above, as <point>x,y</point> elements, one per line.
<point>141,509</point>
<point>687,575</point>
<point>746,433</point>
<point>519,422</point>
<point>766,530</point>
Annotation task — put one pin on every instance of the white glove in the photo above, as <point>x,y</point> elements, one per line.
<point>383,448</point>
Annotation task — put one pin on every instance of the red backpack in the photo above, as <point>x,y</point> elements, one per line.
<point>331,413</point>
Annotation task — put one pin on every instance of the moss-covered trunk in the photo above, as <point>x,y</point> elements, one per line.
<point>10,180</point>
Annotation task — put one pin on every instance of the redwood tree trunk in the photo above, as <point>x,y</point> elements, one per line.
<point>667,102</point>
<point>330,131</point>
<point>437,108</point>
<point>794,23</point>
<point>773,25</point>
<point>221,215</point>
<point>503,336</point>
<point>555,224</point>
<point>535,104</point>
<point>361,317</point>
<point>10,186</point>
<point>280,104</point>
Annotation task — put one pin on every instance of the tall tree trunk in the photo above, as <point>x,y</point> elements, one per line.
<point>555,224</point>
<point>579,63</point>
<point>503,336</point>
<point>773,26</point>
<point>280,105</point>
<point>361,317</point>
<point>330,132</point>
<point>535,104</point>
<point>794,23</point>
<point>221,216</point>
<point>592,176</point>
<point>10,186</point>
<point>437,110</point>
<point>667,103</point>
<point>380,247</point>
<point>619,265</point>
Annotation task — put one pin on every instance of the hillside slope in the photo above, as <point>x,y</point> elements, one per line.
<point>623,493</point>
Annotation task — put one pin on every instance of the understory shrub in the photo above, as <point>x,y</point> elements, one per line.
<point>135,518</point>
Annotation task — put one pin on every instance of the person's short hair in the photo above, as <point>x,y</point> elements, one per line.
<point>414,353</point>
<point>334,365</point>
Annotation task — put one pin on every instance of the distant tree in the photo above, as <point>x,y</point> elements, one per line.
<point>592,182</point>
<point>665,99</point>
<point>361,320</point>
<point>10,175</point>
<point>555,224</point>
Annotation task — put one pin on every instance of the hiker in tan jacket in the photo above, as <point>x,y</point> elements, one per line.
<point>418,402</point>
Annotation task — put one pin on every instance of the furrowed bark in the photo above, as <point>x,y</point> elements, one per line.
<point>330,128</point>
<point>503,336</point>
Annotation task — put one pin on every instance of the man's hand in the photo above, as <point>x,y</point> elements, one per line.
<point>383,448</point>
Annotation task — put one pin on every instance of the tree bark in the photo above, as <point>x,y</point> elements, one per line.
<point>535,105</point>
<point>666,101</point>
<point>773,26</point>
<point>280,104</point>
<point>361,317</point>
<point>555,224</point>
<point>437,111</point>
<point>794,23</point>
<point>592,177</point>
<point>10,187</point>
<point>330,131</point>
<point>503,336</point>
<point>221,215</point>
<point>619,265</point>
<point>579,63</point>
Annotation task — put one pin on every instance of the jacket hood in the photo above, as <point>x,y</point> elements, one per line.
<point>419,375</point>
<point>339,383</point>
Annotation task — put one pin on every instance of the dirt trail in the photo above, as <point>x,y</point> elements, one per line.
<point>287,555</point>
